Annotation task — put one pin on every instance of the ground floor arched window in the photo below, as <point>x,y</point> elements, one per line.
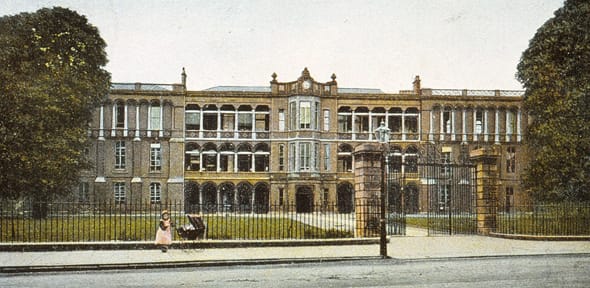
<point>345,197</point>
<point>261,195</point>
<point>191,197</point>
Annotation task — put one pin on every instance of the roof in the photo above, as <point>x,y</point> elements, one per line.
<point>360,90</point>
<point>141,86</point>
<point>239,89</point>
<point>267,89</point>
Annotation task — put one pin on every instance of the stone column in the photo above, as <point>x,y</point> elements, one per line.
<point>430,128</point>
<point>100,183</point>
<point>453,122</point>
<point>442,124</point>
<point>518,123</point>
<point>485,123</point>
<point>367,186</point>
<point>486,161</point>
<point>126,121</point>
<point>464,125</point>
<point>136,122</point>
<point>101,124</point>
<point>497,126</point>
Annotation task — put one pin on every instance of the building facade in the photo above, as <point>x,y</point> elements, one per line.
<point>259,148</point>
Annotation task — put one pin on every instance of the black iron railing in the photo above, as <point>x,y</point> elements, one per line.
<point>25,221</point>
<point>556,219</point>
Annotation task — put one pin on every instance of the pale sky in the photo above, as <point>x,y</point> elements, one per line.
<point>462,44</point>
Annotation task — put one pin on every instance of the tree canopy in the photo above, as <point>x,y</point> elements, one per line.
<point>555,71</point>
<point>51,79</point>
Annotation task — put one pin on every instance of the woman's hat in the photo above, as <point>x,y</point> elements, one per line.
<point>165,212</point>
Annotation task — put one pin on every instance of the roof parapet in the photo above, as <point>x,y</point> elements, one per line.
<point>147,87</point>
<point>467,92</point>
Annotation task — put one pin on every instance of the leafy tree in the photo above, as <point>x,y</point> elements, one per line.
<point>555,71</point>
<point>51,79</point>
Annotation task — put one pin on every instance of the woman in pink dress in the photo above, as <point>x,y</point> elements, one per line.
<point>164,234</point>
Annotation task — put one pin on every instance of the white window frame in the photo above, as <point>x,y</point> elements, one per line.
<point>155,157</point>
<point>120,154</point>
<point>326,120</point>
<point>281,120</point>
<point>305,115</point>
<point>155,118</point>
<point>326,157</point>
<point>305,153</point>
<point>120,192</point>
<point>83,188</point>
<point>155,193</point>
<point>478,129</point>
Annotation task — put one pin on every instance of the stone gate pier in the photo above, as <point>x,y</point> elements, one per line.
<point>367,186</point>
<point>486,161</point>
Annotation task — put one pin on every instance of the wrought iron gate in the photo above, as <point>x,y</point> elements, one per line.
<point>431,190</point>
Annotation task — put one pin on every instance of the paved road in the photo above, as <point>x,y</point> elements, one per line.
<point>519,271</point>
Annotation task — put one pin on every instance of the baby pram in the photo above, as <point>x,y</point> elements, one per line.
<point>193,231</point>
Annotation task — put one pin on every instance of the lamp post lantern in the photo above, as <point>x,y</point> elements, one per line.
<point>382,134</point>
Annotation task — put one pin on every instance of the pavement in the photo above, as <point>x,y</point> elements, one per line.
<point>220,253</point>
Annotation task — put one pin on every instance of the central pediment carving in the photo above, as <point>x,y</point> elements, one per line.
<point>304,85</point>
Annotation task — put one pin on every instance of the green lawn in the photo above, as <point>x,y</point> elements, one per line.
<point>143,228</point>
<point>461,224</point>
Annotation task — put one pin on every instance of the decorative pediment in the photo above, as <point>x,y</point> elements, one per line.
<point>304,85</point>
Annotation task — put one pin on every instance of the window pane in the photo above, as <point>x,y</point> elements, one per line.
<point>281,120</point>
<point>120,117</point>
<point>155,158</point>
<point>326,120</point>
<point>305,114</point>
<point>155,193</point>
<point>344,123</point>
<point>155,114</point>
<point>119,191</point>
<point>120,155</point>
<point>244,121</point>
<point>293,115</point>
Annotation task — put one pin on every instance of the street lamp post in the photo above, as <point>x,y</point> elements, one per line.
<point>382,134</point>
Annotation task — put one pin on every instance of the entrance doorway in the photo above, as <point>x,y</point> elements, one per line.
<point>304,199</point>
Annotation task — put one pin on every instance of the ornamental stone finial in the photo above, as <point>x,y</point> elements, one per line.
<point>305,73</point>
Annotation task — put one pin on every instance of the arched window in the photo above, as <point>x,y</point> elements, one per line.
<point>344,119</point>
<point>261,155</point>
<point>226,157</point>
<point>361,120</point>
<point>210,112</point>
<point>245,118</point>
<point>262,118</point>
<point>119,115</point>
<point>411,159</point>
<point>209,157</point>
<point>344,158</point>
<point>155,116</point>
<point>244,157</point>
<point>228,115</point>
<point>244,197</point>
<point>192,117</point>
<point>411,121</point>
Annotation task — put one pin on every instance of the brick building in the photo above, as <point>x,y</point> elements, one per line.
<point>290,142</point>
